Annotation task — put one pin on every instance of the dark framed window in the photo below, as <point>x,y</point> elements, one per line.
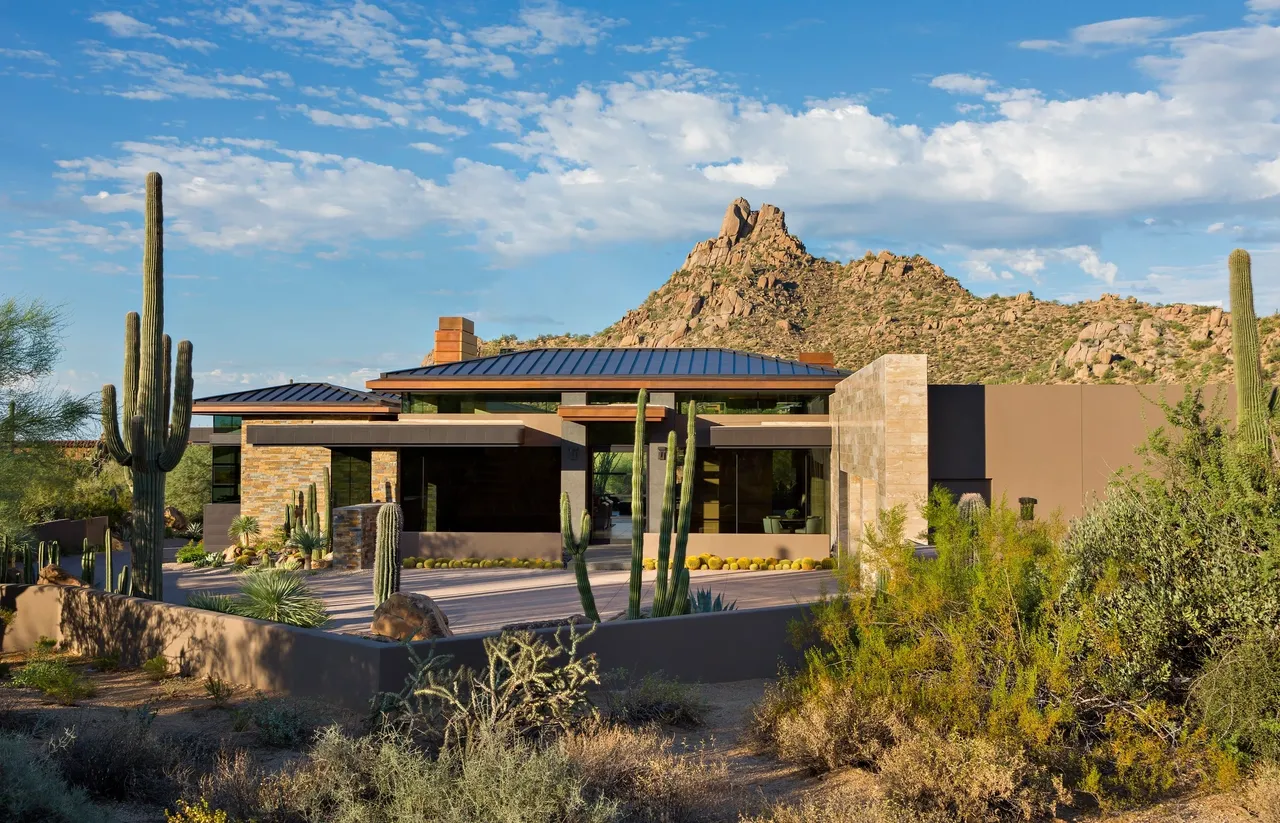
<point>481,489</point>
<point>224,424</point>
<point>606,398</point>
<point>226,474</point>
<point>754,403</point>
<point>754,491</point>
<point>352,476</point>
<point>487,403</point>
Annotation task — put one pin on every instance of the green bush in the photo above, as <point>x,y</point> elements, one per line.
<point>32,790</point>
<point>279,723</point>
<point>156,668</point>
<point>654,698</point>
<point>1238,696</point>
<point>191,552</point>
<point>53,676</point>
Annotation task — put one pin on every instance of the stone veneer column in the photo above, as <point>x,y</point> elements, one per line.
<point>575,468</point>
<point>880,441</point>
<point>385,468</point>
<point>268,474</point>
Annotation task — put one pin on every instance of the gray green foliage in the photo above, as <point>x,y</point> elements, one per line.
<point>701,602</point>
<point>32,789</point>
<point>151,442</point>
<point>1238,696</point>
<point>190,485</point>
<point>386,561</point>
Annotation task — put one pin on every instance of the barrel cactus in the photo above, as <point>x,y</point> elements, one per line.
<point>386,562</point>
<point>150,443</point>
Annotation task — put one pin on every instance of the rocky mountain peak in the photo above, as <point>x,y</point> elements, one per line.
<point>748,236</point>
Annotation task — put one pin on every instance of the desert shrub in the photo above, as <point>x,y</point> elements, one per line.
<point>385,777</point>
<point>281,597</point>
<point>1179,561</point>
<point>1238,696</point>
<point>529,687</point>
<point>219,690</point>
<point>234,785</point>
<point>843,806</point>
<point>53,676</point>
<point>191,552</point>
<point>156,668</point>
<point>967,780</point>
<point>639,770</point>
<point>209,601</point>
<point>822,726</point>
<point>654,698</point>
<point>280,724</point>
<point>122,758</point>
<point>31,788</point>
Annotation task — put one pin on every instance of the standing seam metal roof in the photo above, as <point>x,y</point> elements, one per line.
<point>302,394</point>
<point>622,362</point>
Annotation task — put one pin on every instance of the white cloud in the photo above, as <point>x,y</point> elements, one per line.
<point>657,44</point>
<point>1091,264</point>
<point>458,54</point>
<point>28,54</point>
<point>122,25</point>
<point>756,175</point>
<point>961,83</point>
<point>165,79</point>
<point>1127,31</point>
<point>428,148</point>
<point>342,34</point>
<point>1214,228</point>
<point>322,117</point>
<point>545,28</point>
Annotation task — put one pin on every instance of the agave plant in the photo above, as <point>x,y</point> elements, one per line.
<point>209,601</point>
<point>311,544</point>
<point>244,527</point>
<point>701,602</point>
<point>281,597</point>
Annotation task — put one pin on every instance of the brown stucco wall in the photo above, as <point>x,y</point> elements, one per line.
<point>346,670</point>
<point>71,534</point>
<point>1059,444</point>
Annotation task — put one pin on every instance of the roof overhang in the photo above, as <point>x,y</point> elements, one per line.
<point>772,436</point>
<point>292,409</point>
<point>612,413</point>
<point>387,435</point>
<point>745,382</point>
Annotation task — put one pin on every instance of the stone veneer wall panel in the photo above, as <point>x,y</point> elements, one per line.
<point>355,533</point>
<point>269,473</point>
<point>385,475</point>
<point>880,446</point>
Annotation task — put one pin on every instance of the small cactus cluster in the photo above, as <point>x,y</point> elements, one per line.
<point>386,562</point>
<point>49,554</point>
<point>303,515</point>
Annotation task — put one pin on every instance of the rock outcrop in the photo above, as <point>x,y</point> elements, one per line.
<point>58,576</point>
<point>750,237</point>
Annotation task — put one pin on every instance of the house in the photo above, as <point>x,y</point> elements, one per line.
<point>794,457</point>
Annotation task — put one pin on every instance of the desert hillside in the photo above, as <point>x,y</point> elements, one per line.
<point>755,287</point>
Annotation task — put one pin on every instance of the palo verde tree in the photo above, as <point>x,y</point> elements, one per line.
<point>149,444</point>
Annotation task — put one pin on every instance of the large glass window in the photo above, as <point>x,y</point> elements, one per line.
<point>755,403</point>
<point>761,491</point>
<point>481,489</point>
<point>607,398</point>
<point>226,474</point>
<point>414,403</point>
<point>224,424</point>
<point>352,476</point>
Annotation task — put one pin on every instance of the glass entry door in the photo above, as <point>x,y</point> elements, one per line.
<point>611,494</point>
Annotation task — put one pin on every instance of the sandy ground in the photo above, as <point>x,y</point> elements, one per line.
<point>479,600</point>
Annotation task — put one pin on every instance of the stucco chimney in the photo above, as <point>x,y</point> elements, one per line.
<point>455,340</point>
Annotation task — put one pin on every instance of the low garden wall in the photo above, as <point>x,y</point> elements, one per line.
<point>346,670</point>
<point>482,545</point>
<point>71,534</point>
<point>779,546</point>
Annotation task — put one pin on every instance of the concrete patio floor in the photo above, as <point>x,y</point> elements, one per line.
<point>479,600</point>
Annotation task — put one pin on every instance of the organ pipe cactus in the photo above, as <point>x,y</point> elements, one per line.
<point>108,582</point>
<point>386,560</point>
<point>637,509</point>
<point>1254,404</point>
<point>149,444</point>
<point>576,548</point>
<point>675,598</point>
<point>665,523</point>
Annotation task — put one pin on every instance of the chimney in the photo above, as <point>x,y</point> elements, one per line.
<point>455,340</point>
<point>818,358</point>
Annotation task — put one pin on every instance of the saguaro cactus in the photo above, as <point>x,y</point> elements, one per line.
<point>577,549</point>
<point>108,582</point>
<point>637,509</point>
<point>88,560</point>
<point>149,445</point>
<point>972,507</point>
<point>1253,406</point>
<point>386,560</point>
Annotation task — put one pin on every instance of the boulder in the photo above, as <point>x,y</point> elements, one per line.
<point>58,576</point>
<point>410,616</point>
<point>230,552</point>
<point>175,520</point>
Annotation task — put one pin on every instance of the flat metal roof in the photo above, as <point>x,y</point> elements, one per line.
<point>621,362</point>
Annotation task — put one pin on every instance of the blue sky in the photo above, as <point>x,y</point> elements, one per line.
<point>339,174</point>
